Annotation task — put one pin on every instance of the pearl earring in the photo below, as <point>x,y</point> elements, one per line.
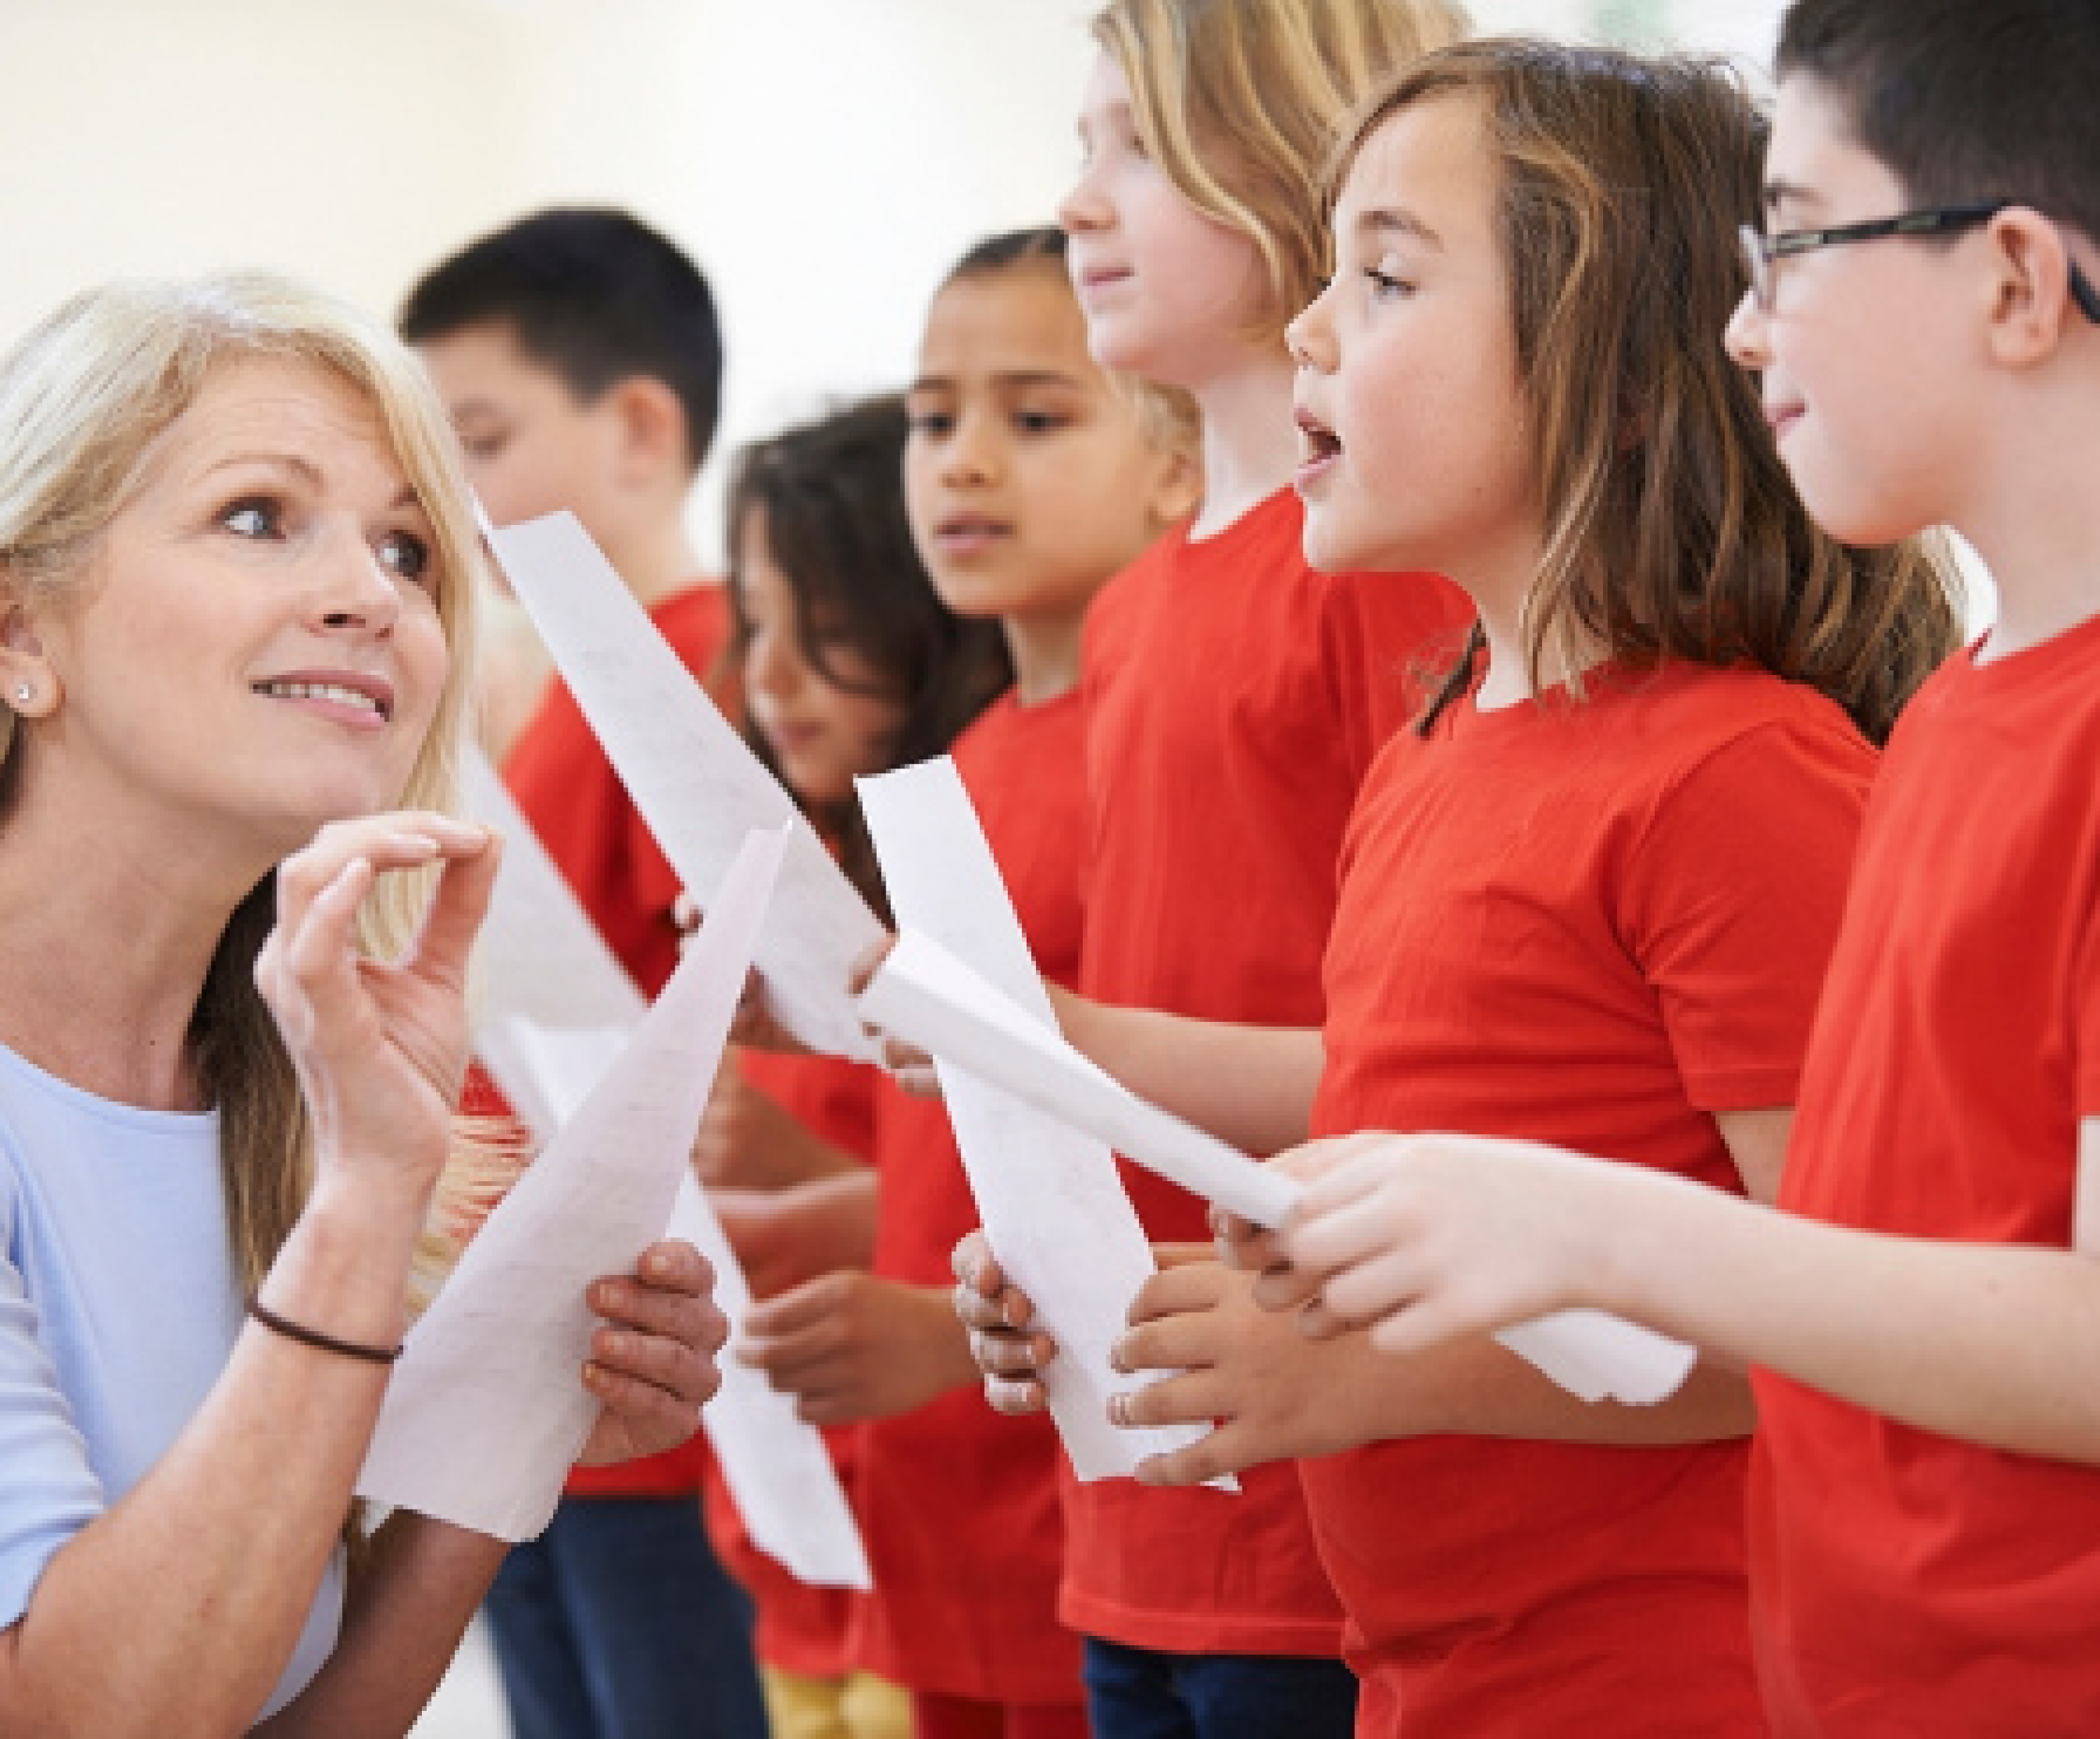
<point>24,693</point>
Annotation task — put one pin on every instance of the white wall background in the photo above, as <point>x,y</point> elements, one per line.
<point>823,159</point>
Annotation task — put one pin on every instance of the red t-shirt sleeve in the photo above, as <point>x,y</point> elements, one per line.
<point>1733,904</point>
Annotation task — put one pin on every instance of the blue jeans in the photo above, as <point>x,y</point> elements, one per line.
<point>619,1623</point>
<point>1139,1693</point>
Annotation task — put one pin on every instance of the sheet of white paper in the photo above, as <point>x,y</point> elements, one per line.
<point>927,996</point>
<point>776,1464</point>
<point>1052,1204</point>
<point>484,1414</point>
<point>923,995</point>
<point>696,782</point>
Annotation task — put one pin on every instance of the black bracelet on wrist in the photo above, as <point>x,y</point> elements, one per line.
<point>313,1337</point>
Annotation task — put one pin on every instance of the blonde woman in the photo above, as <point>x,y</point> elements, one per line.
<point>236,572</point>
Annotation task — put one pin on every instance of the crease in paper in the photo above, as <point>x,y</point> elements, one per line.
<point>540,962</point>
<point>485,1415</point>
<point>692,777</point>
<point>929,998</point>
<point>1052,1204</point>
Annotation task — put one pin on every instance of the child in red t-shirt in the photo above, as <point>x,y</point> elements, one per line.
<point>850,664</point>
<point>1234,700</point>
<point>1922,1310</point>
<point>579,355</point>
<point>1031,481</point>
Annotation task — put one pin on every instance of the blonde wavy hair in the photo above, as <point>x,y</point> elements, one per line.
<point>87,399</point>
<point>1238,102</point>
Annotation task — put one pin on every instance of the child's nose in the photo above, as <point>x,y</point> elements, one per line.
<point>1745,334</point>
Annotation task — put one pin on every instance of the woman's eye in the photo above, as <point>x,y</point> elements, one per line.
<point>253,517</point>
<point>406,554</point>
<point>1384,285</point>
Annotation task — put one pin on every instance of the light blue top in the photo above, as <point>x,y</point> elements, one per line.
<point>119,1304</point>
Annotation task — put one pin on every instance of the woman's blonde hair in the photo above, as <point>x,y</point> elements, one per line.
<point>1671,530</point>
<point>86,400</point>
<point>1239,100</point>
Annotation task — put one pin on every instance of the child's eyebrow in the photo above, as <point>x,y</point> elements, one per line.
<point>1023,378</point>
<point>1391,220</point>
<point>1778,193</point>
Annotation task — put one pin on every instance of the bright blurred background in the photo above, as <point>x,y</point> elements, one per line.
<point>824,160</point>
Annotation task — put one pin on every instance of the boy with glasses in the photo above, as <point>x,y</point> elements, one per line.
<point>1923,1310</point>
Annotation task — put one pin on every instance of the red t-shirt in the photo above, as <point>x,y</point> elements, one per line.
<point>1906,1582</point>
<point>558,772</point>
<point>801,1628</point>
<point>1591,923</point>
<point>1235,699</point>
<point>970,1610</point>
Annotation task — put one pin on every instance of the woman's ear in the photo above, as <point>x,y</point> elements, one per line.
<point>28,681</point>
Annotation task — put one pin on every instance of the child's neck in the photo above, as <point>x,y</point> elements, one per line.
<point>1250,441</point>
<point>656,561</point>
<point>2035,520</point>
<point>1046,654</point>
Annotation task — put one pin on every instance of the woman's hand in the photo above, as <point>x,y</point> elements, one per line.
<point>1007,1350</point>
<point>380,1047</point>
<point>653,1362</point>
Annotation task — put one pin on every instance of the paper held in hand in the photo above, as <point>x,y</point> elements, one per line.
<point>927,997</point>
<point>1048,1196</point>
<point>554,1009</point>
<point>485,1415</point>
<point>695,780</point>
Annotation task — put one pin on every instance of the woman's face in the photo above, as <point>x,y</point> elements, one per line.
<point>822,735</point>
<point>256,645</point>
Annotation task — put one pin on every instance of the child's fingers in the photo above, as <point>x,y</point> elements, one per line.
<point>1017,1397</point>
<point>1283,1287</point>
<point>868,964</point>
<point>1175,1291</point>
<point>1181,1342</point>
<point>1004,1353</point>
<point>1183,1399</point>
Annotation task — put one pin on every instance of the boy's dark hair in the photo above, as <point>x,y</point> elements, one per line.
<point>597,296</point>
<point>832,493</point>
<point>1964,99</point>
<point>1011,248</point>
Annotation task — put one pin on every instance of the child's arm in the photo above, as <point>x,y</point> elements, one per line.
<point>1433,1238</point>
<point>1251,1086</point>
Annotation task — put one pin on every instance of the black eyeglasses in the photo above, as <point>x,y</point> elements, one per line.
<point>1762,251</point>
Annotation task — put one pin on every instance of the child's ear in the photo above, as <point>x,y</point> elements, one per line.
<point>1177,489</point>
<point>652,430</point>
<point>2031,299</point>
